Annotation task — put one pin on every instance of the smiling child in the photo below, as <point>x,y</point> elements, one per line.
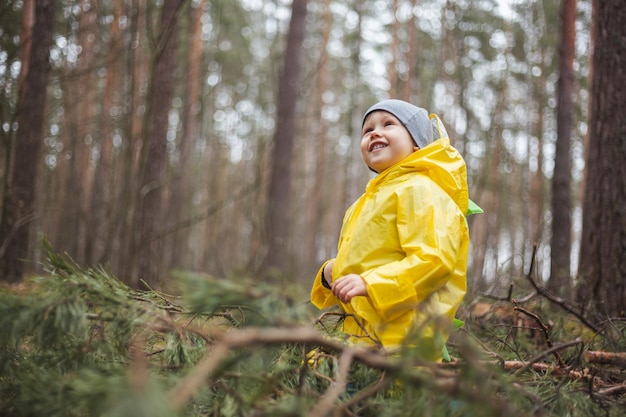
<point>400,268</point>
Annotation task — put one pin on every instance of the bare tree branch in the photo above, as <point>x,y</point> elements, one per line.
<point>557,300</point>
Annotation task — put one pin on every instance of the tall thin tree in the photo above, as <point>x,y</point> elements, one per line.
<point>560,280</point>
<point>154,164</point>
<point>278,201</point>
<point>100,216</point>
<point>181,185</point>
<point>392,65</point>
<point>318,148</point>
<point>18,205</point>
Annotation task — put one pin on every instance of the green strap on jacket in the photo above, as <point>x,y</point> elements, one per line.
<point>456,324</point>
<point>473,208</point>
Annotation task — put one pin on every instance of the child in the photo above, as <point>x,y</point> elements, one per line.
<point>402,253</point>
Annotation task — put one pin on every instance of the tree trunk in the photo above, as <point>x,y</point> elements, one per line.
<point>410,57</point>
<point>18,205</point>
<point>126,214</point>
<point>392,65</point>
<point>318,147</point>
<point>154,166</point>
<point>603,252</point>
<point>485,227</point>
<point>536,186</point>
<point>100,225</point>
<point>278,201</point>
<point>8,139</point>
<point>181,185</point>
<point>560,280</point>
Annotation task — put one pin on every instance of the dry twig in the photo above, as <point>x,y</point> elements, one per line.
<point>561,302</point>
<point>545,330</point>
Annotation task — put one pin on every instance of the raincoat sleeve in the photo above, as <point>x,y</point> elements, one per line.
<point>322,297</point>
<point>431,229</point>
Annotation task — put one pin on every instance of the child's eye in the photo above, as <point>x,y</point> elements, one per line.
<point>391,121</point>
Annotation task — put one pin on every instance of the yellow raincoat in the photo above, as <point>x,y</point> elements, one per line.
<point>407,237</point>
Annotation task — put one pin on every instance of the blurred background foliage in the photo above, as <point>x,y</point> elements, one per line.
<point>489,68</point>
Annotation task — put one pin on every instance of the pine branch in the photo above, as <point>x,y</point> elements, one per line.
<point>182,394</point>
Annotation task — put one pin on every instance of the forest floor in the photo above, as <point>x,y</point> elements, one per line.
<point>82,340</point>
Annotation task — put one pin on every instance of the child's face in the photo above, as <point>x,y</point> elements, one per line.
<point>384,141</point>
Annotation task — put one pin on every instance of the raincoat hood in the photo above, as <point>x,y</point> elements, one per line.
<point>440,161</point>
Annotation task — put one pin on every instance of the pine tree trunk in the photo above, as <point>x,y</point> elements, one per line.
<point>485,228</point>
<point>410,57</point>
<point>126,215</point>
<point>154,166</point>
<point>100,223</point>
<point>392,65</point>
<point>603,251</point>
<point>18,205</point>
<point>536,186</point>
<point>278,201</point>
<point>181,186</point>
<point>318,147</point>
<point>560,280</point>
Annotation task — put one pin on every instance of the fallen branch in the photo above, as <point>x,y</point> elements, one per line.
<point>605,358</point>
<point>615,389</point>
<point>553,349</point>
<point>181,394</point>
<point>543,367</point>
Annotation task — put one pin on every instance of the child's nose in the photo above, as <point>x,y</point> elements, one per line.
<point>376,131</point>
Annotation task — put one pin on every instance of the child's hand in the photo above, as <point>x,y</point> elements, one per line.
<point>349,286</point>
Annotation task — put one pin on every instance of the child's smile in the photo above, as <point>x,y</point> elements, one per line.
<point>376,146</point>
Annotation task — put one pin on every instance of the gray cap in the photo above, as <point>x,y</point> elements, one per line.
<point>414,118</point>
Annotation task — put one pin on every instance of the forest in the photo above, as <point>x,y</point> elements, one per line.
<point>173,174</point>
